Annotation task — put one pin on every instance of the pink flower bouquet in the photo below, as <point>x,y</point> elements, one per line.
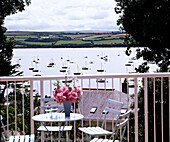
<point>61,94</point>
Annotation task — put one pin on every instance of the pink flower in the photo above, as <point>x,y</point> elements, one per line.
<point>65,91</point>
<point>78,91</point>
<point>61,94</point>
<point>60,98</point>
<point>72,96</point>
<point>55,92</point>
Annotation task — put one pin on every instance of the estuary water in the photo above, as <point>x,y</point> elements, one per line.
<point>111,60</point>
<point>48,61</point>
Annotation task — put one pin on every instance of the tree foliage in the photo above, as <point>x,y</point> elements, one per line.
<point>8,7</point>
<point>148,24</point>
<point>19,105</point>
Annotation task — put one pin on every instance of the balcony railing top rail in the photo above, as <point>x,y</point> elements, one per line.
<point>53,77</point>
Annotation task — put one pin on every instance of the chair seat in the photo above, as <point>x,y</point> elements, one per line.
<point>95,131</point>
<point>102,140</point>
<point>22,138</point>
<point>55,128</point>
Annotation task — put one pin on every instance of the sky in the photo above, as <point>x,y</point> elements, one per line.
<point>65,15</point>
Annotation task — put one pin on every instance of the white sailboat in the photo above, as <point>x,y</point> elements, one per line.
<point>85,67</point>
<point>101,69</point>
<point>78,71</point>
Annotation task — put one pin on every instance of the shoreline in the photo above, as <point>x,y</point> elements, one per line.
<point>55,47</point>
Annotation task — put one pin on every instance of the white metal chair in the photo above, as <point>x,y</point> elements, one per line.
<point>19,138</point>
<point>122,123</point>
<point>50,103</point>
<point>100,131</point>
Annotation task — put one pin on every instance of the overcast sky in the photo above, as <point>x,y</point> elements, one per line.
<point>65,15</point>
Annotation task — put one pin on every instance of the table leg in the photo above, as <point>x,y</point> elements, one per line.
<point>69,133</point>
<point>60,134</point>
<point>62,130</point>
<point>47,130</point>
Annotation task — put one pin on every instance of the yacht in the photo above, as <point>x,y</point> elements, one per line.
<point>85,67</point>
<point>78,72</point>
<point>102,80</point>
<point>101,69</point>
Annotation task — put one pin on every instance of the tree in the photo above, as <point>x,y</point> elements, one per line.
<point>6,46</point>
<point>148,24</point>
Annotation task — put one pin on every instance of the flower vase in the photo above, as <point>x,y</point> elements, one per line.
<point>67,108</point>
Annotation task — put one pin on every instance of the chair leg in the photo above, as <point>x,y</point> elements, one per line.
<point>123,134</point>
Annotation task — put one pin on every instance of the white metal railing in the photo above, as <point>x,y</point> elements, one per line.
<point>44,85</point>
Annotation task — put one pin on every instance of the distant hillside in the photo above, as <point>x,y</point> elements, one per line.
<point>66,39</point>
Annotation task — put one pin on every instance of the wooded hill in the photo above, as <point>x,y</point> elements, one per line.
<point>66,39</point>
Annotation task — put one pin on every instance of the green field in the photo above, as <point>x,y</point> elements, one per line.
<point>72,42</point>
<point>109,42</point>
<point>63,39</point>
<point>38,43</point>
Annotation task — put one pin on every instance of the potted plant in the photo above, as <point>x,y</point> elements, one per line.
<point>67,95</point>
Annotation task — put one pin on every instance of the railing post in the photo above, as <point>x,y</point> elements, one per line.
<point>31,107</point>
<point>146,107</point>
<point>136,111</point>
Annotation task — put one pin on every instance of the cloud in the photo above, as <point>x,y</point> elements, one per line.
<point>56,15</point>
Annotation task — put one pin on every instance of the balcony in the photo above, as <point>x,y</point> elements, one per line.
<point>147,94</point>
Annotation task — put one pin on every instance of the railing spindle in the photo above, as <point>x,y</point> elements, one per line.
<point>97,103</point>
<point>128,107</point>
<point>105,101</point>
<point>146,108</point>
<point>31,106</point>
<point>136,111</point>
<point>23,119</point>
<point>82,111</point>
<point>15,107</point>
<point>169,108</point>
<point>154,110</point>
<point>120,89</point>
<point>41,104</point>
<point>51,92</point>
<point>89,105</point>
<point>74,112</point>
<point>162,124</point>
<point>7,108</point>
<point>112,98</point>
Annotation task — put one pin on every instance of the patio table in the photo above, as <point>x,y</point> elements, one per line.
<point>59,117</point>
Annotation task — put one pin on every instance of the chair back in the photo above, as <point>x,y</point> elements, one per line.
<point>113,107</point>
<point>122,123</point>
<point>3,126</point>
<point>50,103</point>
